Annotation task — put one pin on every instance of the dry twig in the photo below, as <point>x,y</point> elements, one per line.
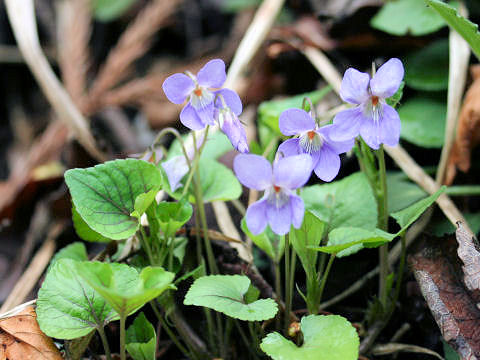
<point>134,42</point>
<point>74,54</point>
<point>31,275</point>
<point>22,18</point>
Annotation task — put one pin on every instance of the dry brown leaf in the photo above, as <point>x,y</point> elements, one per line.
<point>468,130</point>
<point>439,272</point>
<point>468,252</point>
<point>22,339</point>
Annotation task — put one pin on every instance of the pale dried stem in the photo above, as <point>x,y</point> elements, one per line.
<point>22,18</point>
<point>253,39</point>
<point>324,66</point>
<point>133,43</point>
<point>74,30</point>
<point>33,272</point>
<point>458,67</point>
<point>251,42</point>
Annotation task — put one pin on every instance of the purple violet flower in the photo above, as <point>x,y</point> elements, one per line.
<point>177,167</point>
<point>375,120</point>
<point>279,207</point>
<point>199,110</point>
<point>228,107</point>
<point>314,141</point>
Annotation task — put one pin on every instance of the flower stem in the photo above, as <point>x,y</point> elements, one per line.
<point>325,276</point>
<point>167,329</point>
<point>122,336</point>
<point>146,246</point>
<point>288,289</point>
<point>382,202</point>
<point>106,347</point>
<point>278,288</point>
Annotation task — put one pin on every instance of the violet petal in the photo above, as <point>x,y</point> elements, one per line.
<point>354,88</point>
<point>177,87</point>
<point>339,147</point>
<point>256,216</point>
<point>295,121</point>
<point>387,79</point>
<point>290,147</point>
<point>190,119</point>
<point>328,164</point>
<point>298,210</point>
<point>292,172</point>
<point>176,168</point>
<point>212,74</point>
<point>253,171</point>
<point>232,100</point>
<point>347,124</point>
<point>390,126</point>
<point>370,132</point>
<point>279,218</point>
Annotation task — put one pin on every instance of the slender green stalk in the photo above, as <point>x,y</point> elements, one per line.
<point>382,203</point>
<point>146,246</point>
<point>254,336</point>
<point>293,265</point>
<point>122,337</point>
<point>245,340</point>
<point>106,347</point>
<point>278,289</point>
<point>325,276</point>
<point>463,190</point>
<point>167,329</point>
<point>288,290</point>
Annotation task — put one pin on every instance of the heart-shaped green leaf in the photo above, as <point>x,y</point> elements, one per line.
<point>123,287</point>
<point>404,17</point>
<point>84,231</point>
<point>67,306</point>
<point>105,195</point>
<point>423,121</point>
<point>141,339</point>
<point>226,294</point>
<point>171,216</point>
<point>75,251</point>
<point>142,202</point>
<point>329,337</point>
<point>348,202</point>
<point>427,69</point>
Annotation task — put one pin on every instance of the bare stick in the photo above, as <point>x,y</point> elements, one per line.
<point>328,71</point>
<point>459,58</point>
<point>253,39</point>
<point>22,18</point>
<point>31,275</point>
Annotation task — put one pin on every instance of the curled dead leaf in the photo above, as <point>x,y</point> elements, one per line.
<point>438,272</point>
<point>22,339</point>
<point>469,252</point>
<point>468,129</point>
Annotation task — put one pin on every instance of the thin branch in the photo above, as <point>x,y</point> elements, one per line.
<point>459,59</point>
<point>22,19</point>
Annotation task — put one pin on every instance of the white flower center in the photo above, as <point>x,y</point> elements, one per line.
<point>374,108</point>
<point>277,195</point>
<point>311,141</point>
<point>201,97</point>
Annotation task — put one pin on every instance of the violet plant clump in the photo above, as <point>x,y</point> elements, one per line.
<point>372,118</point>
<point>313,140</point>
<point>279,207</point>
